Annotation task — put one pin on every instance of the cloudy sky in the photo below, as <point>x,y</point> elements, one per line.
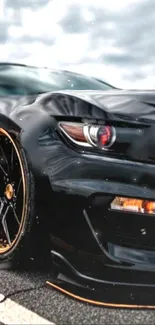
<point>111,39</point>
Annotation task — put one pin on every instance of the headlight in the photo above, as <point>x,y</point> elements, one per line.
<point>106,137</point>
<point>89,135</point>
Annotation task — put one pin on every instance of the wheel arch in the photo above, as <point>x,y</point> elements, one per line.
<point>9,125</point>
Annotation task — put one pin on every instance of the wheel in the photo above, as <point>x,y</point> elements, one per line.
<point>16,199</point>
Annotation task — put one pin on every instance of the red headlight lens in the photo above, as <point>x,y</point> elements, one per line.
<point>104,136</point>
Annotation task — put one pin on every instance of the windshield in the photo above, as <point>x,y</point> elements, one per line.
<point>23,80</point>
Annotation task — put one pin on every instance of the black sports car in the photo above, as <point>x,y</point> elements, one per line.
<point>79,167</point>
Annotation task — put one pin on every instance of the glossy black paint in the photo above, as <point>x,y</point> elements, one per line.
<point>91,244</point>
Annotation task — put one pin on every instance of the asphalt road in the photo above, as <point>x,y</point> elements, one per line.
<point>27,288</point>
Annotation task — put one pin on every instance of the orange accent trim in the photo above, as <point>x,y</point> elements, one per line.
<point>98,303</point>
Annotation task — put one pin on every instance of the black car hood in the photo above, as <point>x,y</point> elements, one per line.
<point>114,104</point>
<point>120,104</point>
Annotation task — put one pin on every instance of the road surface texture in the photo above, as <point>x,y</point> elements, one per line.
<point>24,299</point>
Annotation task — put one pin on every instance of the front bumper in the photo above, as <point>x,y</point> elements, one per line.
<point>101,256</point>
<point>106,293</point>
<point>118,272</point>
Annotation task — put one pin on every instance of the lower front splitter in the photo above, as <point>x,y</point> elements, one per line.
<point>114,298</point>
<point>99,292</point>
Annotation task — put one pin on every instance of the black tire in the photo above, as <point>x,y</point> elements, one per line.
<point>15,246</point>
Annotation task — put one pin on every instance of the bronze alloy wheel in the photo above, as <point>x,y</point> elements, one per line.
<point>13,202</point>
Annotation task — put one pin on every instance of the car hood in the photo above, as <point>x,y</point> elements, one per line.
<point>120,104</point>
<point>112,104</point>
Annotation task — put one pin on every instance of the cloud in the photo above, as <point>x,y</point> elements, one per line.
<point>33,4</point>
<point>113,39</point>
<point>3,32</point>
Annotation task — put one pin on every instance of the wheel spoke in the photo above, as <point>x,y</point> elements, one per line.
<point>2,205</point>
<point>5,228</point>
<point>4,224</point>
<point>12,151</point>
<point>15,214</point>
<point>18,188</point>
<point>6,162</point>
<point>3,170</point>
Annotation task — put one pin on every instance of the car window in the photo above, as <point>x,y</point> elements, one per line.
<point>16,80</point>
<point>12,90</point>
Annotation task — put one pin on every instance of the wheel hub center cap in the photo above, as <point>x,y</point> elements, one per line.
<point>9,191</point>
